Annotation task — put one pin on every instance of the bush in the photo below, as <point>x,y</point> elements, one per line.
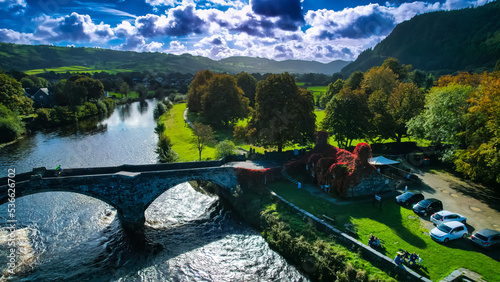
<point>43,116</point>
<point>168,103</point>
<point>87,110</point>
<point>160,128</point>
<point>164,150</point>
<point>102,108</point>
<point>110,104</point>
<point>225,148</point>
<point>159,110</point>
<point>11,126</point>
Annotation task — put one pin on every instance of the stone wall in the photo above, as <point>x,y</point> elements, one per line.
<point>376,258</point>
<point>371,185</point>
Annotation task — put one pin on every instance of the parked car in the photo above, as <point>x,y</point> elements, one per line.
<point>446,216</point>
<point>428,206</point>
<point>447,231</point>
<point>409,198</point>
<point>486,238</point>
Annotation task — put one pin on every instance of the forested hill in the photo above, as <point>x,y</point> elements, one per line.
<point>442,42</point>
<point>28,57</point>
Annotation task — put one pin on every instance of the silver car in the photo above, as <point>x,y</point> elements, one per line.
<point>447,216</point>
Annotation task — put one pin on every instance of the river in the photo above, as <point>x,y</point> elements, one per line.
<point>71,237</point>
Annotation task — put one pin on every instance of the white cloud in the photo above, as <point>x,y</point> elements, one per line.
<point>175,47</point>
<point>74,27</point>
<point>12,36</point>
<point>152,47</point>
<point>13,4</point>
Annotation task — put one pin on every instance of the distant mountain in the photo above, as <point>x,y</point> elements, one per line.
<point>441,42</point>
<point>28,57</point>
<point>261,65</point>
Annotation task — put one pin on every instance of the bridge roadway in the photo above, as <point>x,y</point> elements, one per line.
<point>128,188</point>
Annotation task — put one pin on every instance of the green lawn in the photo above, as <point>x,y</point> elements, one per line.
<point>398,227</point>
<point>182,136</point>
<point>75,69</point>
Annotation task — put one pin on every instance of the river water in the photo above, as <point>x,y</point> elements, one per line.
<point>71,237</point>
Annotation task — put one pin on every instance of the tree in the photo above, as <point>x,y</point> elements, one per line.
<point>34,82</point>
<point>197,89</point>
<point>223,101</point>
<point>142,91</point>
<point>248,84</point>
<point>204,136</point>
<point>444,114</point>
<point>354,81</point>
<point>347,116</point>
<point>479,159</point>
<point>224,149</point>
<point>405,102</point>
<point>379,78</point>
<point>332,90</point>
<point>400,71</point>
<point>124,89</point>
<point>11,126</point>
<point>283,113</point>
<point>13,97</point>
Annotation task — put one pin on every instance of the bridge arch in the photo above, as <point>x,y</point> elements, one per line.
<point>130,193</point>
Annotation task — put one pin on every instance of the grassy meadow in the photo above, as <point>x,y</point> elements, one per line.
<point>75,69</point>
<point>182,136</point>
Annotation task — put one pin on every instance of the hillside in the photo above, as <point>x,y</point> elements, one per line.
<point>262,65</point>
<point>441,42</point>
<point>30,57</point>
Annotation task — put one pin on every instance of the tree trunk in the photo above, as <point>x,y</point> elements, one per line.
<point>200,154</point>
<point>398,138</point>
<point>280,148</point>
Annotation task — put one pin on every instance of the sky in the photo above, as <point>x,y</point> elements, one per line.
<point>317,30</point>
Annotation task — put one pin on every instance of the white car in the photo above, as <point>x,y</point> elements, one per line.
<point>447,216</point>
<point>449,231</point>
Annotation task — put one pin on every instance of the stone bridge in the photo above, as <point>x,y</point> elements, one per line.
<point>129,189</point>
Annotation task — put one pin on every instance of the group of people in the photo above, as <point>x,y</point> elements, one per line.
<point>403,255</point>
<point>374,241</point>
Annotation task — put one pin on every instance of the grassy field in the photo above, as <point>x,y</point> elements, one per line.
<point>182,136</point>
<point>317,91</point>
<point>75,69</point>
<point>397,227</point>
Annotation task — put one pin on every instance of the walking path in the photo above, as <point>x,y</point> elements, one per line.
<point>186,118</point>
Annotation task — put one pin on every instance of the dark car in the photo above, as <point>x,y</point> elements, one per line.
<point>486,238</point>
<point>428,206</point>
<point>409,198</point>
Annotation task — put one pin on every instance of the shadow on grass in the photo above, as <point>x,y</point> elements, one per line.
<point>389,215</point>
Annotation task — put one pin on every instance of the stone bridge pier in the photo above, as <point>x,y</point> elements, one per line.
<point>130,193</point>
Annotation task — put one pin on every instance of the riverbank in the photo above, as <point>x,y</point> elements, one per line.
<point>314,252</point>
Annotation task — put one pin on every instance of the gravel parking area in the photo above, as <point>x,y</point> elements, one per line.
<point>480,206</point>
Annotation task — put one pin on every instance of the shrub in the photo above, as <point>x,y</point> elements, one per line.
<point>87,110</point>
<point>168,104</point>
<point>225,148</point>
<point>102,108</point>
<point>164,150</point>
<point>110,104</point>
<point>160,128</point>
<point>43,116</point>
<point>159,110</point>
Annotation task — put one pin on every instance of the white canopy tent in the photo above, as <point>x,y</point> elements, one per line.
<point>381,161</point>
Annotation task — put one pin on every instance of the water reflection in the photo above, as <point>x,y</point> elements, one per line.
<point>142,106</point>
<point>125,137</point>
<point>124,112</point>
